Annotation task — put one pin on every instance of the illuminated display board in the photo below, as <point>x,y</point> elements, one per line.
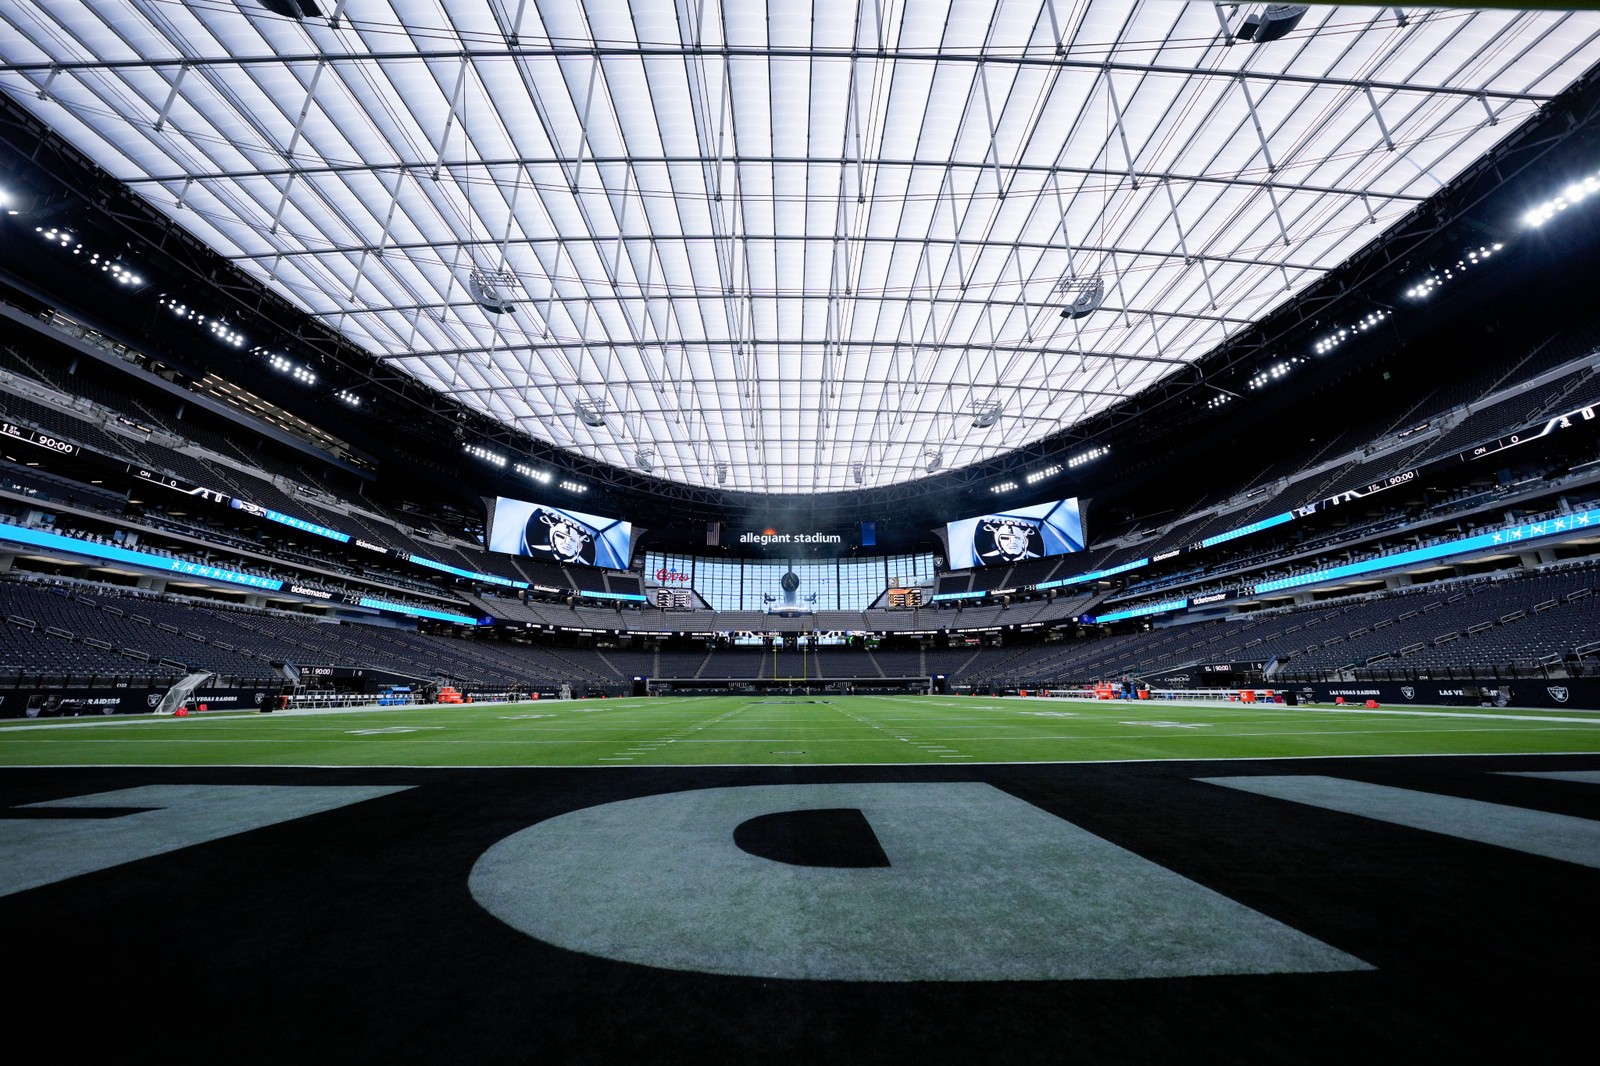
<point>555,535</point>
<point>1001,538</point>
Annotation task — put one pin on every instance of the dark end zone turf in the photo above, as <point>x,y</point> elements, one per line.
<point>351,935</point>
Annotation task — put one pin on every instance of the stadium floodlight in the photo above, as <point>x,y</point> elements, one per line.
<point>1088,456</point>
<point>488,455</point>
<point>1573,194</point>
<point>986,413</point>
<point>1043,473</point>
<point>1004,486</point>
<point>351,398</point>
<point>593,412</point>
<point>1084,292</point>
<point>543,477</point>
<point>574,486</point>
<point>1470,258</point>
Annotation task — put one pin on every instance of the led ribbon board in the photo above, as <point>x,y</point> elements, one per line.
<point>417,612</point>
<point>473,574</point>
<point>58,542</point>
<point>1511,535</point>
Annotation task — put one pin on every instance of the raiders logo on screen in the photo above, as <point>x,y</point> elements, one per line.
<point>553,535</point>
<point>1007,540</point>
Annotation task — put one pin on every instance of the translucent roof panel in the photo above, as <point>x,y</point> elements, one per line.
<point>785,247</point>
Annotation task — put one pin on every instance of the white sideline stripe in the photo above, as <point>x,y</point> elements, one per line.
<point>1462,714</point>
<point>1554,836</point>
<point>1582,777</point>
<point>1077,738</point>
<point>1592,753</point>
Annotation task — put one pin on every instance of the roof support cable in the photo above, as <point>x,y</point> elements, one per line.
<point>294,144</point>
<point>994,142</point>
<point>1255,120</point>
<point>855,129</point>
<point>1183,245</point>
<point>455,110</point>
<point>1222,20</point>
<point>1055,27</point>
<point>383,237</point>
<point>514,35</point>
<point>1122,133</point>
<point>955,230</point>
<point>172,96</point>
<point>1278,214</point>
<point>583,123</point>
<point>1383,127</point>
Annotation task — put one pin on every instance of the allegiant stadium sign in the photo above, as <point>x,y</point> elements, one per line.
<point>769,536</point>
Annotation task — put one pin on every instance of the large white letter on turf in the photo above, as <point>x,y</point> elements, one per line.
<point>42,851</point>
<point>981,886</point>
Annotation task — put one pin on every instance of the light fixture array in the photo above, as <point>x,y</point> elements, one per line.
<point>349,397</point>
<point>1089,456</point>
<point>490,456</point>
<point>1469,259</point>
<point>1268,374</point>
<point>113,266</point>
<point>1370,321</point>
<point>1572,195</point>
<point>217,327</point>
<point>543,477</point>
<point>1041,474</point>
<point>284,365</point>
<point>1004,486</point>
<point>573,486</point>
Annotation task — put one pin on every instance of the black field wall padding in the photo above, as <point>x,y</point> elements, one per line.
<point>1573,693</point>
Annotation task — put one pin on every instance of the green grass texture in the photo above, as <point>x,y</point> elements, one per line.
<point>777,730</point>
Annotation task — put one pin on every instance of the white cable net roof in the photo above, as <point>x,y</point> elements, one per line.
<point>783,246</point>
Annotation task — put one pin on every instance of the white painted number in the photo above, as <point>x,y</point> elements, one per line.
<point>42,851</point>
<point>981,886</point>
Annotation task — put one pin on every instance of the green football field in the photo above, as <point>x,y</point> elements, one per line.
<point>782,730</point>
